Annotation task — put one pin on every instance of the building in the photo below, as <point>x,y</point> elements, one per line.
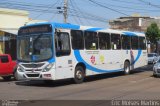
<point>135,23</point>
<point>132,23</point>
<point>10,21</point>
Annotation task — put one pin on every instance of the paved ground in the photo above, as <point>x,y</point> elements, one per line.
<point>138,86</point>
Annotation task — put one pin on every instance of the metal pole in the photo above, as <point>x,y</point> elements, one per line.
<point>65,10</point>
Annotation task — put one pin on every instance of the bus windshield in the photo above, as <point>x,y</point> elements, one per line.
<point>34,47</point>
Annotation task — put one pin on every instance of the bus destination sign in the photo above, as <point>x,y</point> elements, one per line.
<point>35,29</point>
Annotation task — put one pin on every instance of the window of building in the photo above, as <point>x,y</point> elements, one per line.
<point>142,43</point>
<point>77,39</point>
<point>91,40</point>
<point>134,42</point>
<point>104,41</point>
<point>126,42</point>
<point>62,44</point>
<point>115,41</point>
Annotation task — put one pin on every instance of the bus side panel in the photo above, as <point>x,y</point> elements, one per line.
<point>137,58</point>
<point>112,60</point>
<point>140,57</point>
<point>98,62</point>
<point>64,67</point>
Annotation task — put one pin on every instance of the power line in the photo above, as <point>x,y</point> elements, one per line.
<point>27,8</point>
<point>126,2</point>
<point>52,11</point>
<point>149,3</point>
<point>46,9</point>
<point>131,8</point>
<point>82,12</point>
<point>108,8</point>
<point>76,19</point>
<point>73,4</point>
<point>25,4</point>
<point>125,8</point>
<point>88,17</point>
<point>58,12</point>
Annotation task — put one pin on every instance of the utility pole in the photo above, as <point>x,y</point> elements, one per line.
<point>65,11</point>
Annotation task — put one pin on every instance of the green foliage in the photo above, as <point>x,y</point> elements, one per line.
<point>153,33</point>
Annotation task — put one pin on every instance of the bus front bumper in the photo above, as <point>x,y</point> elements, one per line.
<point>35,76</point>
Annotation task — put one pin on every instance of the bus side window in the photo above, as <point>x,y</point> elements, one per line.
<point>142,43</point>
<point>126,42</point>
<point>104,41</point>
<point>134,45</point>
<point>115,41</point>
<point>62,44</point>
<point>91,40</point>
<point>77,39</point>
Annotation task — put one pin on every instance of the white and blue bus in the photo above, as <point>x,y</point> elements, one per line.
<point>53,51</point>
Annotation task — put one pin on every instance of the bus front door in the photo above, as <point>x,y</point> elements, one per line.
<point>63,55</point>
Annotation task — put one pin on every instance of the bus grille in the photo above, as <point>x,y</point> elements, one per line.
<point>34,70</point>
<point>33,75</point>
<point>33,65</point>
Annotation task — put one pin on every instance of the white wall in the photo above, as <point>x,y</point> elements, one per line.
<point>12,19</point>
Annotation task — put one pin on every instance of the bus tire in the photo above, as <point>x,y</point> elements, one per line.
<point>127,68</point>
<point>79,75</point>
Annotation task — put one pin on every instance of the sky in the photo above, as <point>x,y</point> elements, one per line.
<point>95,13</point>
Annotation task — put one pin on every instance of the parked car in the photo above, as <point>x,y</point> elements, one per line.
<point>156,69</point>
<point>152,58</point>
<point>7,66</point>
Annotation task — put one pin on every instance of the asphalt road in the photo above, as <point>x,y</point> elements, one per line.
<point>140,85</point>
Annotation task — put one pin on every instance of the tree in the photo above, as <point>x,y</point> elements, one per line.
<point>153,34</point>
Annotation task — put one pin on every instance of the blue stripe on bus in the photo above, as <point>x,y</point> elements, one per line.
<point>51,60</point>
<point>129,33</point>
<point>137,57</point>
<point>94,29</point>
<point>80,59</point>
<point>66,26</point>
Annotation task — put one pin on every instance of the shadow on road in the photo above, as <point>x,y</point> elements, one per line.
<point>39,83</point>
<point>87,79</point>
<point>2,80</point>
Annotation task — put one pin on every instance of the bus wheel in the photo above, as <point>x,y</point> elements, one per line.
<point>79,75</point>
<point>126,68</point>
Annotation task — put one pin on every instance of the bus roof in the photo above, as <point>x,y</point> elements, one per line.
<point>87,28</point>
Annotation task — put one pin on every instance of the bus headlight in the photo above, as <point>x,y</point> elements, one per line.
<point>48,67</point>
<point>20,68</point>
